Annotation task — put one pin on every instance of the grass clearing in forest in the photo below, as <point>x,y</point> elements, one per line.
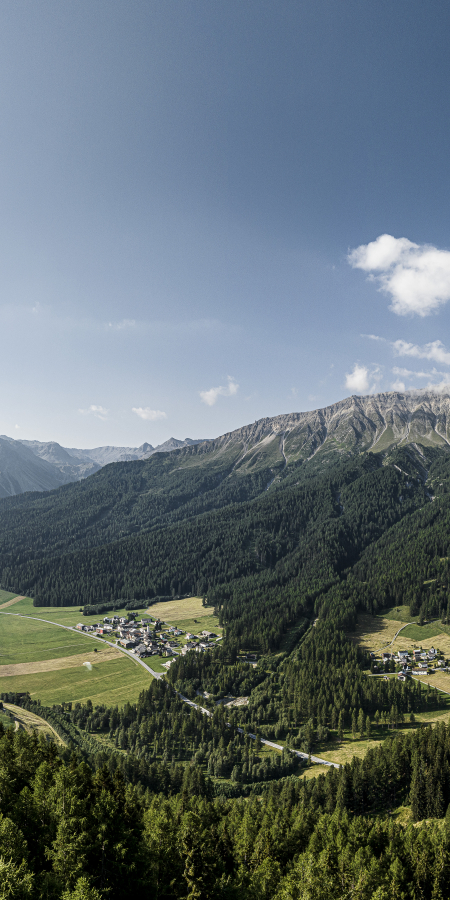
<point>399,614</point>
<point>190,608</point>
<point>189,615</point>
<point>382,634</point>
<point>374,633</point>
<point>313,771</point>
<point>420,633</point>
<point>31,722</point>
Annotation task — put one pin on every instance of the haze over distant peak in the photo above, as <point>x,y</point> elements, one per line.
<point>109,454</point>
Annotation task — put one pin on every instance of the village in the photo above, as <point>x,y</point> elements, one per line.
<point>408,662</point>
<point>151,637</point>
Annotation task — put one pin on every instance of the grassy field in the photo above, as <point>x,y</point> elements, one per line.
<point>189,615</point>
<point>378,633</point>
<point>92,656</point>
<point>420,633</point>
<point>375,633</point>
<point>400,614</point>
<point>113,682</point>
<point>314,771</point>
<point>173,610</point>
<point>53,659</point>
<point>24,640</point>
<point>440,680</point>
<point>63,615</point>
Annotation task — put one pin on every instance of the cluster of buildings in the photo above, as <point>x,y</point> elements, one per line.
<point>199,642</point>
<point>406,661</point>
<point>149,638</point>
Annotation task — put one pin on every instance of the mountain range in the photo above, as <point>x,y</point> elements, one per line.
<point>374,423</point>
<point>44,465</point>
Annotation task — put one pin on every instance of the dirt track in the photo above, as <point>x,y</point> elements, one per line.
<point>11,602</point>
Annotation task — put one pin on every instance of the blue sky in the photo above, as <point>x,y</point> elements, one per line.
<point>193,199</point>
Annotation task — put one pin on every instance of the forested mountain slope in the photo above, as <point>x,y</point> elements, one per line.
<point>278,546</point>
<point>261,532</point>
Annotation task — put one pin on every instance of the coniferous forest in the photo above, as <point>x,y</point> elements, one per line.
<point>159,798</point>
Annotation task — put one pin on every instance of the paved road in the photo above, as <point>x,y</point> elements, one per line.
<point>314,759</point>
<point>206,712</point>
<point>94,638</point>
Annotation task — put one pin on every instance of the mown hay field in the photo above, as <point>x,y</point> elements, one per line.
<point>58,655</point>
<point>189,615</point>
<point>173,610</point>
<point>64,662</point>
<point>113,682</point>
<point>378,633</point>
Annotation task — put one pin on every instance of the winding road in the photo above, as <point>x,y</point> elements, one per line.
<point>158,675</point>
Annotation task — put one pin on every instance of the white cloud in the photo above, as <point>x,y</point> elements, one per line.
<point>398,386</point>
<point>358,379</point>
<point>98,411</point>
<point>434,350</point>
<point>416,276</point>
<point>210,397</point>
<point>17,426</point>
<point>440,388</point>
<point>150,415</point>
<point>408,373</point>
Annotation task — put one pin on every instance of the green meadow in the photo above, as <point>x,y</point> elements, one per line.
<point>36,639</point>
<point>63,615</point>
<point>5,596</point>
<point>112,682</point>
<point>25,640</point>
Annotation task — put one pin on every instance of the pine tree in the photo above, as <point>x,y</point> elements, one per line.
<point>417,794</point>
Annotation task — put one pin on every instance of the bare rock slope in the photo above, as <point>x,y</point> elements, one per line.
<point>376,422</point>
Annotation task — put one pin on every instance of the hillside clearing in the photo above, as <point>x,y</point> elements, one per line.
<point>173,610</point>
<point>377,633</point>
<point>32,722</point>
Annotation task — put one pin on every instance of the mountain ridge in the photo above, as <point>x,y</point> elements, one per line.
<point>360,423</point>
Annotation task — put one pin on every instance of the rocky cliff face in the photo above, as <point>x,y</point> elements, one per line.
<point>377,423</point>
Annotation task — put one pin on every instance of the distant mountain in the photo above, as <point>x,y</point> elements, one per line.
<point>72,467</point>
<point>378,423</point>
<point>44,465</point>
<point>21,470</point>
<point>105,455</point>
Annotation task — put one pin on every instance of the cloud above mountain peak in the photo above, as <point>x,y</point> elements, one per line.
<point>415,276</point>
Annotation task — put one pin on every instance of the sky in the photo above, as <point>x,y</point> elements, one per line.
<point>213,212</point>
